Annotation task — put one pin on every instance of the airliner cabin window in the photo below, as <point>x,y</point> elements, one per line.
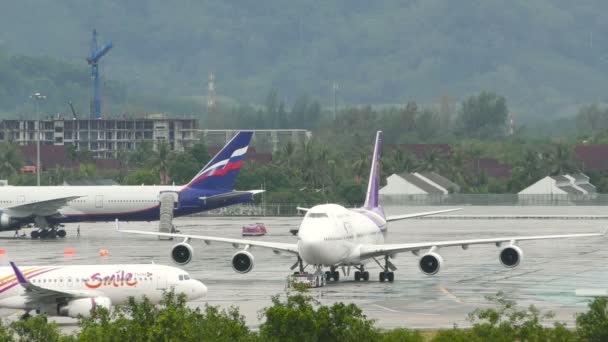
<point>317,215</point>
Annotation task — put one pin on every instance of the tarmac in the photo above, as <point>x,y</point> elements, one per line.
<point>547,277</point>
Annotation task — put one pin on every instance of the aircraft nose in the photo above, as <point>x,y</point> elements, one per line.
<point>200,289</point>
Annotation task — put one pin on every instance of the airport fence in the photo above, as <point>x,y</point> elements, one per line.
<point>495,200</point>
<point>290,209</point>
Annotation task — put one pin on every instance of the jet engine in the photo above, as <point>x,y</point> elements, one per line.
<point>430,263</point>
<point>182,253</point>
<point>83,306</point>
<point>242,262</point>
<point>7,222</point>
<point>511,256</point>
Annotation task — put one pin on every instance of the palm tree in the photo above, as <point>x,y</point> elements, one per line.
<point>561,160</point>
<point>361,167</point>
<point>11,160</point>
<point>433,161</point>
<point>162,156</point>
<point>529,168</point>
<point>287,154</point>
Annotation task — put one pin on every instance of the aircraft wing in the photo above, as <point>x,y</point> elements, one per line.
<point>409,216</point>
<point>36,293</point>
<point>368,251</point>
<point>228,196</point>
<point>275,246</point>
<point>39,208</point>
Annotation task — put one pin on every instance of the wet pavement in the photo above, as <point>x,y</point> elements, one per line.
<point>548,276</point>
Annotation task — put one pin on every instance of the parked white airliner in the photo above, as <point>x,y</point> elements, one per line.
<point>333,236</point>
<point>49,206</point>
<point>75,290</point>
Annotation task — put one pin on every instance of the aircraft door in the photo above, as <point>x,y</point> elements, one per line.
<point>21,199</point>
<point>99,201</point>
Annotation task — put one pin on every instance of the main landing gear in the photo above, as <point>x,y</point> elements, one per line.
<point>332,274</point>
<point>386,274</point>
<point>361,274</point>
<point>49,233</point>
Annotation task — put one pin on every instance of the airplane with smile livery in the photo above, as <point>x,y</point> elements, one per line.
<point>74,291</point>
<point>333,236</point>
<point>50,206</point>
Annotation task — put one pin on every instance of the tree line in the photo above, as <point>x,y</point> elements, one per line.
<point>314,171</point>
<point>298,317</point>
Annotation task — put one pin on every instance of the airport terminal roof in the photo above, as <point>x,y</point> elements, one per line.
<point>575,184</point>
<point>418,184</point>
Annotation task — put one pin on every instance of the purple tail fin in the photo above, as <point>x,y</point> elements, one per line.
<point>371,198</point>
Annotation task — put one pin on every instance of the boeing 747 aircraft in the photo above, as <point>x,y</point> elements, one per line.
<point>49,206</point>
<point>333,236</point>
<point>76,290</point>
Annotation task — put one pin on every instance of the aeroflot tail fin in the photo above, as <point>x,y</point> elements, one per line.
<point>371,197</point>
<point>220,173</point>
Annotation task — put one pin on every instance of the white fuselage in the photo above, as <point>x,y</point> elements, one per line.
<point>331,235</point>
<point>116,282</point>
<point>93,199</point>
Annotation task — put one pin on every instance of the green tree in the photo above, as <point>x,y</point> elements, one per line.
<point>5,333</point>
<point>593,324</point>
<point>183,167</point>
<point>200,153</point>
<point>143,177</point>
<point>296,319</point>
<point>401,335</point>
<point>171,320</point>
<point>505,322</point>
<point>433,160</point>
<point>561,160</point>
<point>483,115</point>
<point>11,160</point>
<point>161,160</point>
<point>35,329</point>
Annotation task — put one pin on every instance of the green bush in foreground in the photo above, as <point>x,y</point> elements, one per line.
<point>505,322</point>
<point>299,318</point>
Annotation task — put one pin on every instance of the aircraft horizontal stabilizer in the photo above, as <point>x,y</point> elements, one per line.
<point>228,196</point>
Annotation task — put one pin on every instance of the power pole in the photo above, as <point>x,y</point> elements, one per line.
<point>211,93</point>
<point>335,90</point>
<point>37,97</point>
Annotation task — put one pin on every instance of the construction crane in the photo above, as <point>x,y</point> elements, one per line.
<point>73,110</point>
<point>93,60</point>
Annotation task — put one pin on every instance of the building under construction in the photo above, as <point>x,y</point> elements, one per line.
<point>102,137</point>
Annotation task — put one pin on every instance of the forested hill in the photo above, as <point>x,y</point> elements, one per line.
<point>546,56</point>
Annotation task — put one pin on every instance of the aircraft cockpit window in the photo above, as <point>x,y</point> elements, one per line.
<point>317,215</point>
<point>186,277</point>
<point>181,277</point>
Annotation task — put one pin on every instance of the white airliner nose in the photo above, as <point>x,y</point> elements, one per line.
<point>200,290</point>
<point>195,289</point>
<point>314,247</point>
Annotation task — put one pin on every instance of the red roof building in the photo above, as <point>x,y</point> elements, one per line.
<point>51,156</point>
<point>421,150</point>
<point>591,157</point>
<point>492,167</point>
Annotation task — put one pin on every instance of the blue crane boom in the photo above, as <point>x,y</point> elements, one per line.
<point>93,60</point>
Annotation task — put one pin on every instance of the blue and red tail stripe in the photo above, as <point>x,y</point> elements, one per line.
<point>221,172</point>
